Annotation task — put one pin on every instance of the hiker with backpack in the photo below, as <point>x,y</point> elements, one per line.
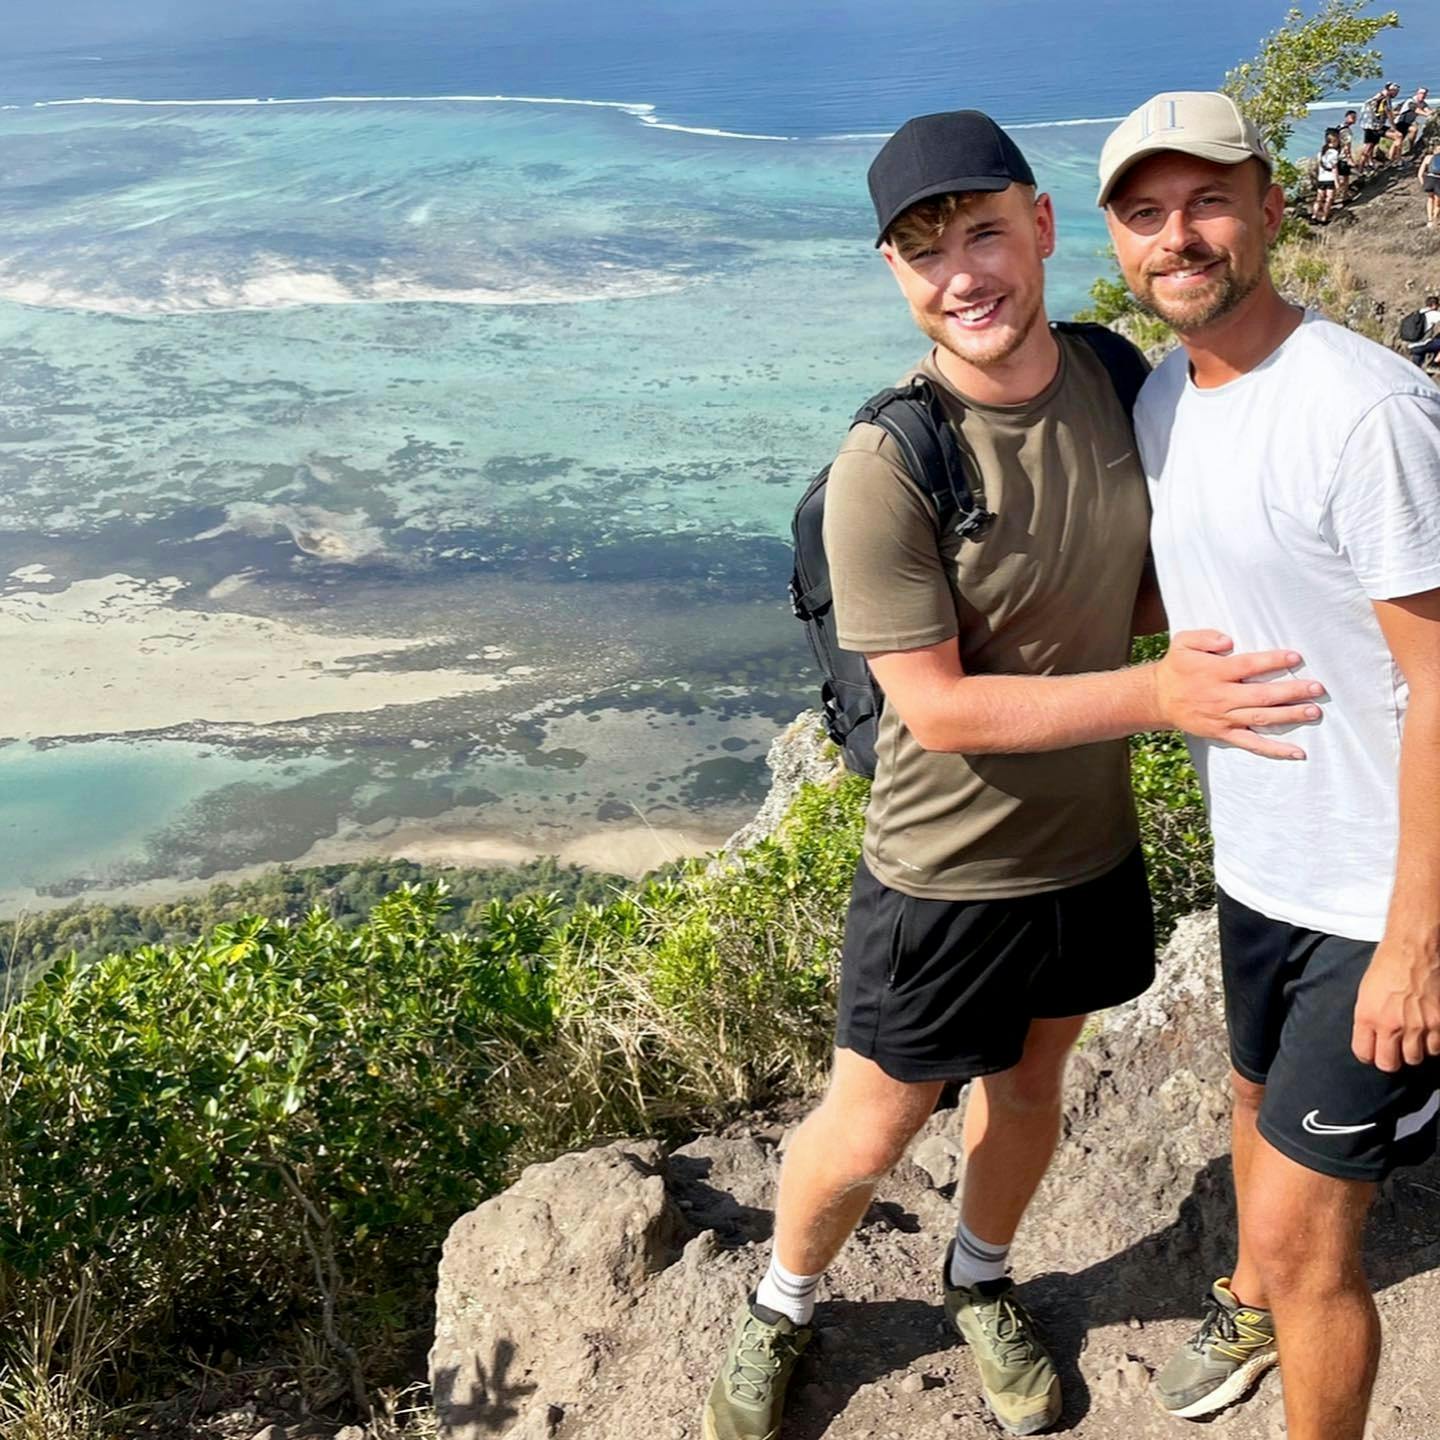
<point>981,543</point>
<point>1420,330</point>
<point>1428,175</point>
<point>1346,168</point>
<point>1294,468</point>
<point>1375,124</point>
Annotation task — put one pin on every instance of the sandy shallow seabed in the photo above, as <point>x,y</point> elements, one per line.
<point>111,656</point>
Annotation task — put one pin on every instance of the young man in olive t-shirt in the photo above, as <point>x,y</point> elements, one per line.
<point>1002,895</point>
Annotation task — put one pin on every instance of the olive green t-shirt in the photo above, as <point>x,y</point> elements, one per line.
<point>1049,590</point>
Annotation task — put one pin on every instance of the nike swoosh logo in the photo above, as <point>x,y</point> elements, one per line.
<point>1312,1123</point>
<point>1111,464</point>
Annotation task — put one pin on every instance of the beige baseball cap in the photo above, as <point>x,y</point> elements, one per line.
<point>1194,122</point>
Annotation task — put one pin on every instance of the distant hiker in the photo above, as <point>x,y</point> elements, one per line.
<point>1427,322</point>
<point>1327,172</point>
<point>1002,893</point>
<point>1294,468</point>
<point>1405,119</point>
<point>1347,157</point>
<point>1375,123</point>
<point>1429,176</point>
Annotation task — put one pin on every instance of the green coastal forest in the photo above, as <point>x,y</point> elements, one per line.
<point>234,1130</point>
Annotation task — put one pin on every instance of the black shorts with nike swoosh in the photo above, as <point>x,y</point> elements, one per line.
<point>1290,1009</point>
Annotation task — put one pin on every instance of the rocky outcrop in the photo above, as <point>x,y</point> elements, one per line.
<point>799,755</point>
<point>535,1282</point>
<point>595,1297</point>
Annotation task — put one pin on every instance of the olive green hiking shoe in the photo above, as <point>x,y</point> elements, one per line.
<point>1016,1374</point>
<point>1232,1349</point>
<point>749,1392</point>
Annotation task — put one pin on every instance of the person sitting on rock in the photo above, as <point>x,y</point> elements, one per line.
<point>1294,468</point>
<point>1428,346</point>
<point>1002,894</point>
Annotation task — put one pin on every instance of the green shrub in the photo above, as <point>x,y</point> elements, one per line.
<point>699,996</point>
<point>213,1138</point>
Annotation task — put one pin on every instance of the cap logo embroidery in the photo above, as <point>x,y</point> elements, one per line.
<point>1169,110</point>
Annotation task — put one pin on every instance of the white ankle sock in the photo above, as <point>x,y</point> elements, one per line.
<point>787,1293</point>
<point>974,1259</point>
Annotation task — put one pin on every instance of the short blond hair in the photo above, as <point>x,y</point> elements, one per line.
<point>924,222</point>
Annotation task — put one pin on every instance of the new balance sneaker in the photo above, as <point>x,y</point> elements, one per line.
<point>1017,1375</point>
<point>749,1392</point>
<point>1232,1349</point>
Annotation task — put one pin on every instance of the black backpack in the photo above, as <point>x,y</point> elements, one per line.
<point>914,416</point>
<point>1412,327</point>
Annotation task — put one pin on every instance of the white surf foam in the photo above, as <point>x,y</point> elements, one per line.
<point>284,287</point>
<point>640,110</point>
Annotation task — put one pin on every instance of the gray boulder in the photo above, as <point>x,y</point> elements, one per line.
<point>533,1282</point>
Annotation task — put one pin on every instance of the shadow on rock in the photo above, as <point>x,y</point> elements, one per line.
<point>491,1401</point>
<point>709,1208</point>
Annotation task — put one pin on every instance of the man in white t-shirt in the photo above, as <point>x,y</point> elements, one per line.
<point>1294,469</point>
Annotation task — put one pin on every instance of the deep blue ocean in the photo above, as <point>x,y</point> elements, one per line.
<point>800,69</point>
<point>401,405</point>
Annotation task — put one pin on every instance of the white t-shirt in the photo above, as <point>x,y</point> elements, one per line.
<point>1329,164</point>
<point>1285,502</point>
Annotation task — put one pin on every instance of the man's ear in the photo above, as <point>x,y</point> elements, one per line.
<point>887,252</point>
<point>1274,206</point>
<point>1045,224</point>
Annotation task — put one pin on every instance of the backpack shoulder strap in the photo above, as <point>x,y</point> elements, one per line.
<point>1126,366</point>
<point>913,415</point>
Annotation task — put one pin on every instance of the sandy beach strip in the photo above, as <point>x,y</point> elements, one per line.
<point>627,849</point>
<point>116,656</point>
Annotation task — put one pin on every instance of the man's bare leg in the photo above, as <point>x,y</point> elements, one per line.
<point>837,1157</point>
<point>1012,1125</point>
<point>1303,1235</point>
<point>1246,1283</point>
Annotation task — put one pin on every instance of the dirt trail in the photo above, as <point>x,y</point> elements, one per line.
<point>1381,237</point>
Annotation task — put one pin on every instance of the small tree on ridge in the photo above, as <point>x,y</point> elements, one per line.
<point>1305,61</point>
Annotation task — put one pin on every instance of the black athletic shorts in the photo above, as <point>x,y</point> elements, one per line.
<point>946,989</point>
<point>1374,137</point>
<point>1290,1008</point>
<point>1324,184</point>
<point>1346,169</point>
<point>1432,184</point>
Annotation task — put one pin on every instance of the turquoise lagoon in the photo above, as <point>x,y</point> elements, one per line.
<point>533,383</point>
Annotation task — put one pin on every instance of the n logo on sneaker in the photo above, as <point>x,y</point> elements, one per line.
<point>1312,1123</point>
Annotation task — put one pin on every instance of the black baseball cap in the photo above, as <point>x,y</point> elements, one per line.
<point>956,150</point>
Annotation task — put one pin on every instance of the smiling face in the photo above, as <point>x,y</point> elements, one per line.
<point>1192,236</point>
<point>977,287</point>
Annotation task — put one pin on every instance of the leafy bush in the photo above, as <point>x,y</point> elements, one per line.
<point>275,1122</point>
<point>700,996</point>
